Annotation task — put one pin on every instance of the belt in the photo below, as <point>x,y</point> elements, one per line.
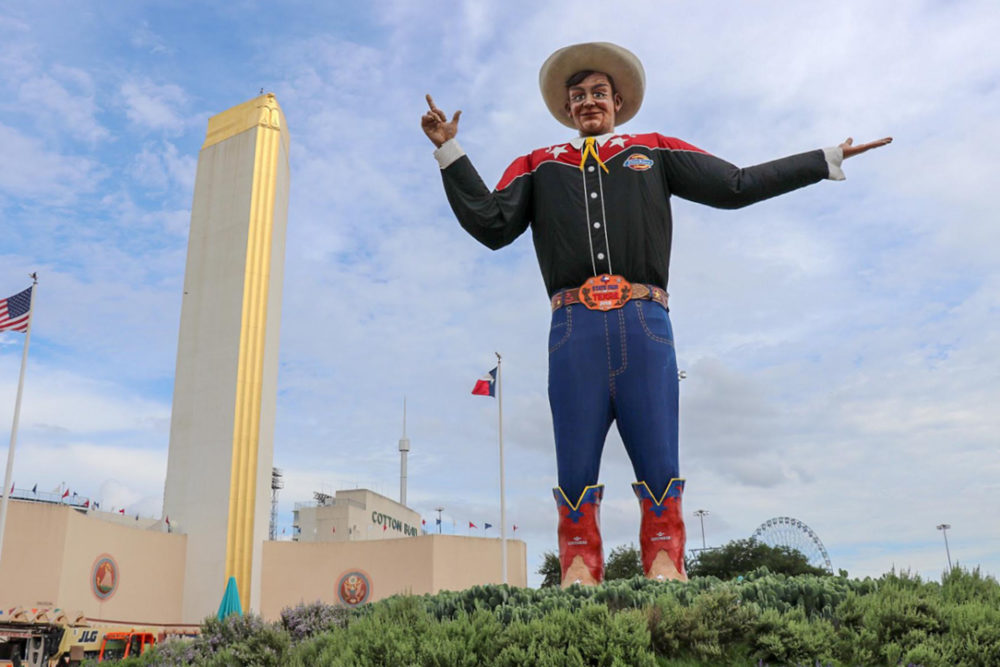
<point>584,293</point>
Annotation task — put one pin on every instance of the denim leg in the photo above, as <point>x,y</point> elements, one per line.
<point>646,396</point>
<point>579,395</point>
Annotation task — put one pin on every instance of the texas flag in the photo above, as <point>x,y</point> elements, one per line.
<point>486,385</point>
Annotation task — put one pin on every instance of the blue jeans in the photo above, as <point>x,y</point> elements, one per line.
<point>616,366</point>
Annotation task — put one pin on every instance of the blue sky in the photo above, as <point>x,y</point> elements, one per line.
<point>840,342</point>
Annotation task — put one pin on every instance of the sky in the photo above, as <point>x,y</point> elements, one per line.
<point>840,342</point>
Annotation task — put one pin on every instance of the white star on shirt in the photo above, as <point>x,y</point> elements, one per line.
<point>558,150</point>
<point>618,141</point>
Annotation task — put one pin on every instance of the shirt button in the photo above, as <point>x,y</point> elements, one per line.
<point>593,195</point>
<point>600,255</point>
<point>597,225</point>
<point>590,168</point>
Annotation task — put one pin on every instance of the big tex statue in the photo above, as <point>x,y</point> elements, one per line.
<point>598,207</point>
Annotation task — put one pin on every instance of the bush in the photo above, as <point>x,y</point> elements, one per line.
<point>236,640</point>
<point>764,619</point>
<point>709,629</point>
<point>305,620</point>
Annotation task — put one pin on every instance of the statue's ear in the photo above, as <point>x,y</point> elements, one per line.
<point>619,101</point>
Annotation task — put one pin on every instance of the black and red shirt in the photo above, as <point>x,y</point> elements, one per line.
<point>609,213</point>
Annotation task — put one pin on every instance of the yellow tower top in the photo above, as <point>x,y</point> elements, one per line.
<point>261,111</point>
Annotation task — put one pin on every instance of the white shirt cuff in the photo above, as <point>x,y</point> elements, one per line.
<point>448,153</point>
<point>834,158</point>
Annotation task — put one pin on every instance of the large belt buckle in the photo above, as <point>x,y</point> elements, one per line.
<point>605,292</point>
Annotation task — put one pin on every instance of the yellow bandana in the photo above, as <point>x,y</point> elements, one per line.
<point>590,149</point>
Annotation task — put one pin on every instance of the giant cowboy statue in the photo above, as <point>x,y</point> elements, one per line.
<point>599,210</point>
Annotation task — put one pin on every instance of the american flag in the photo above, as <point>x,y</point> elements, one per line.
<point>15,311</point>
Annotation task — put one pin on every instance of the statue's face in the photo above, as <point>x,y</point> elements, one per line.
<point>592,104</point>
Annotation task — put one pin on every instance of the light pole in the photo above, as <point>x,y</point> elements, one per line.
<point>944,530</point>
<point>701,514</point>
<point>439,510</point>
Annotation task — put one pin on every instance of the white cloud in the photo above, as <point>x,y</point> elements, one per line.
<point>143,37</point>
<point>64,99</point>
<point>42,173</point>
<point>159,166</point>
<point>156,107</point>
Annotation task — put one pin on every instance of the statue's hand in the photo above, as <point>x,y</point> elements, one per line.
<point>436,125</point>
<point>850,149</point>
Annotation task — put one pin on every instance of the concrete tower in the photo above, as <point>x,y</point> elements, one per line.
<point>222,427</point>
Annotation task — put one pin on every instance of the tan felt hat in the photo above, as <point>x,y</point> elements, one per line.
<point>621,64</point>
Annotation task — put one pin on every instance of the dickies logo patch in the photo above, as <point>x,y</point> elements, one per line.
<point>638,162</point>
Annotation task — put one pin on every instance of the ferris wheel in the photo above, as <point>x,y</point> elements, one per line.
<point>784,531</point>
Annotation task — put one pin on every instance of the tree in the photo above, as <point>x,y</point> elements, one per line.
<point>623,563</point>
<point>550,569</point>
<point>742,556</point>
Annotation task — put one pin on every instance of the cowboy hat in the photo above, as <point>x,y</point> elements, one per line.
<point>620,64</point>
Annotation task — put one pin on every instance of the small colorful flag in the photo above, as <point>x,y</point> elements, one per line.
<point>486,385</point>
<point>487,526</point>
<point>11,488</point>
<point>15,311</point>
<point>423,522</point>
<point>34,489</point>
<point>472,525</point>
<point>65,493</point>
<point>437,521</point>
<point>168,520</point>
<point>515,527</point>
<point>86,503</point>
<point>122,511</point>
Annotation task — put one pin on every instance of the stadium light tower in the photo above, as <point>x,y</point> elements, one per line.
<point>944,530</point>
<point>701,514</point>
<point>404,449</point>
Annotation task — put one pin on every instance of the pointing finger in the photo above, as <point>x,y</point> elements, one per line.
<point>454,118</point>
<point>430,102</point>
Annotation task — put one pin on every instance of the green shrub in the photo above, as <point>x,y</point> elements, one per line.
<point>712,627</point>
<point>791,637</point>
<point>765,618</point>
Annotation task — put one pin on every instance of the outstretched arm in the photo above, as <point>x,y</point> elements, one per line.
<point>698,176</point>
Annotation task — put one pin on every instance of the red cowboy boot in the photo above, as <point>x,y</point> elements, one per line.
<point>581,553</point>
<point>661,532</point>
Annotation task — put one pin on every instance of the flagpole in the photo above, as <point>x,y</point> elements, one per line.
<point>503,506</point>
<point>17,414</point>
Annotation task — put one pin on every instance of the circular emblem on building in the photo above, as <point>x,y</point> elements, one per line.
<point>354,588</point>
<point>104,577</point>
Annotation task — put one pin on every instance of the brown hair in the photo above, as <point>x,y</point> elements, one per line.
<point>584,73</point>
